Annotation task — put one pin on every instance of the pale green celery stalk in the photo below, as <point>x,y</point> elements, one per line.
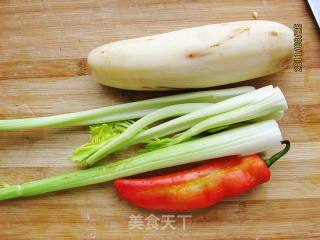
<point>117,117</point>
<point>273,116</point>
<point>188,120</point>
<point>276,102</point>
<point>84,154</point>
<point>276,116</point>
<point>127,139</point>
<point>122,111</point>
<point>252,138</point>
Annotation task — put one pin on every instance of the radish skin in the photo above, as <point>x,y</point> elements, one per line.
<point>197,57</point>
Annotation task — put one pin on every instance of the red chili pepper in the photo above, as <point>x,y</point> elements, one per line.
<point>201,186</point>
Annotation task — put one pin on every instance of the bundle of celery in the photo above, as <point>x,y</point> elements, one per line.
<point>175,130</point>
<point>266,102</point>
<point>248,139</point>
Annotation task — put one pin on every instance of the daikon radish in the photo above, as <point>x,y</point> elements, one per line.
<point>197,57</point>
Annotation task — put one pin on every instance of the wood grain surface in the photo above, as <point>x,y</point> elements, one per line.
<point>43,49</point>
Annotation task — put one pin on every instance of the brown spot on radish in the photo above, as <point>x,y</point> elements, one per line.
<point>204,52</point>
<point>198,54</point>
<point>238,31</point>
<point>274,33</point>
<point>215,45</point>
<point>241,30</point>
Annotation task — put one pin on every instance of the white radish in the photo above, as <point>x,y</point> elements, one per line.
<point>197,57</point>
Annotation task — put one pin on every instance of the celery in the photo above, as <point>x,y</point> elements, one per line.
<point>120,112</point>
<point>189,120</point>
<point>121,137</point>
<point>274,103</point>
<point>100,134</point>
<point>248,106</point>
<point>243,140</point>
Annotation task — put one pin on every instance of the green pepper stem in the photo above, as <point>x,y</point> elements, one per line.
<point>279,154</point>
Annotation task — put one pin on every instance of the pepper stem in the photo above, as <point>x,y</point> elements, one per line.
<point>279,154</point>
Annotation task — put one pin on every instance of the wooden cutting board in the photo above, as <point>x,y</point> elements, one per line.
<point>43,49</point>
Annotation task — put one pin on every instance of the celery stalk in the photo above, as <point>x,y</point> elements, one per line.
<point>241,108</point>
<point>107,145</point>
<point>122,111</point>
<point>189,120</point>
<point>243,140</point>
<point>275,115</point>
<point>276,102</point>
